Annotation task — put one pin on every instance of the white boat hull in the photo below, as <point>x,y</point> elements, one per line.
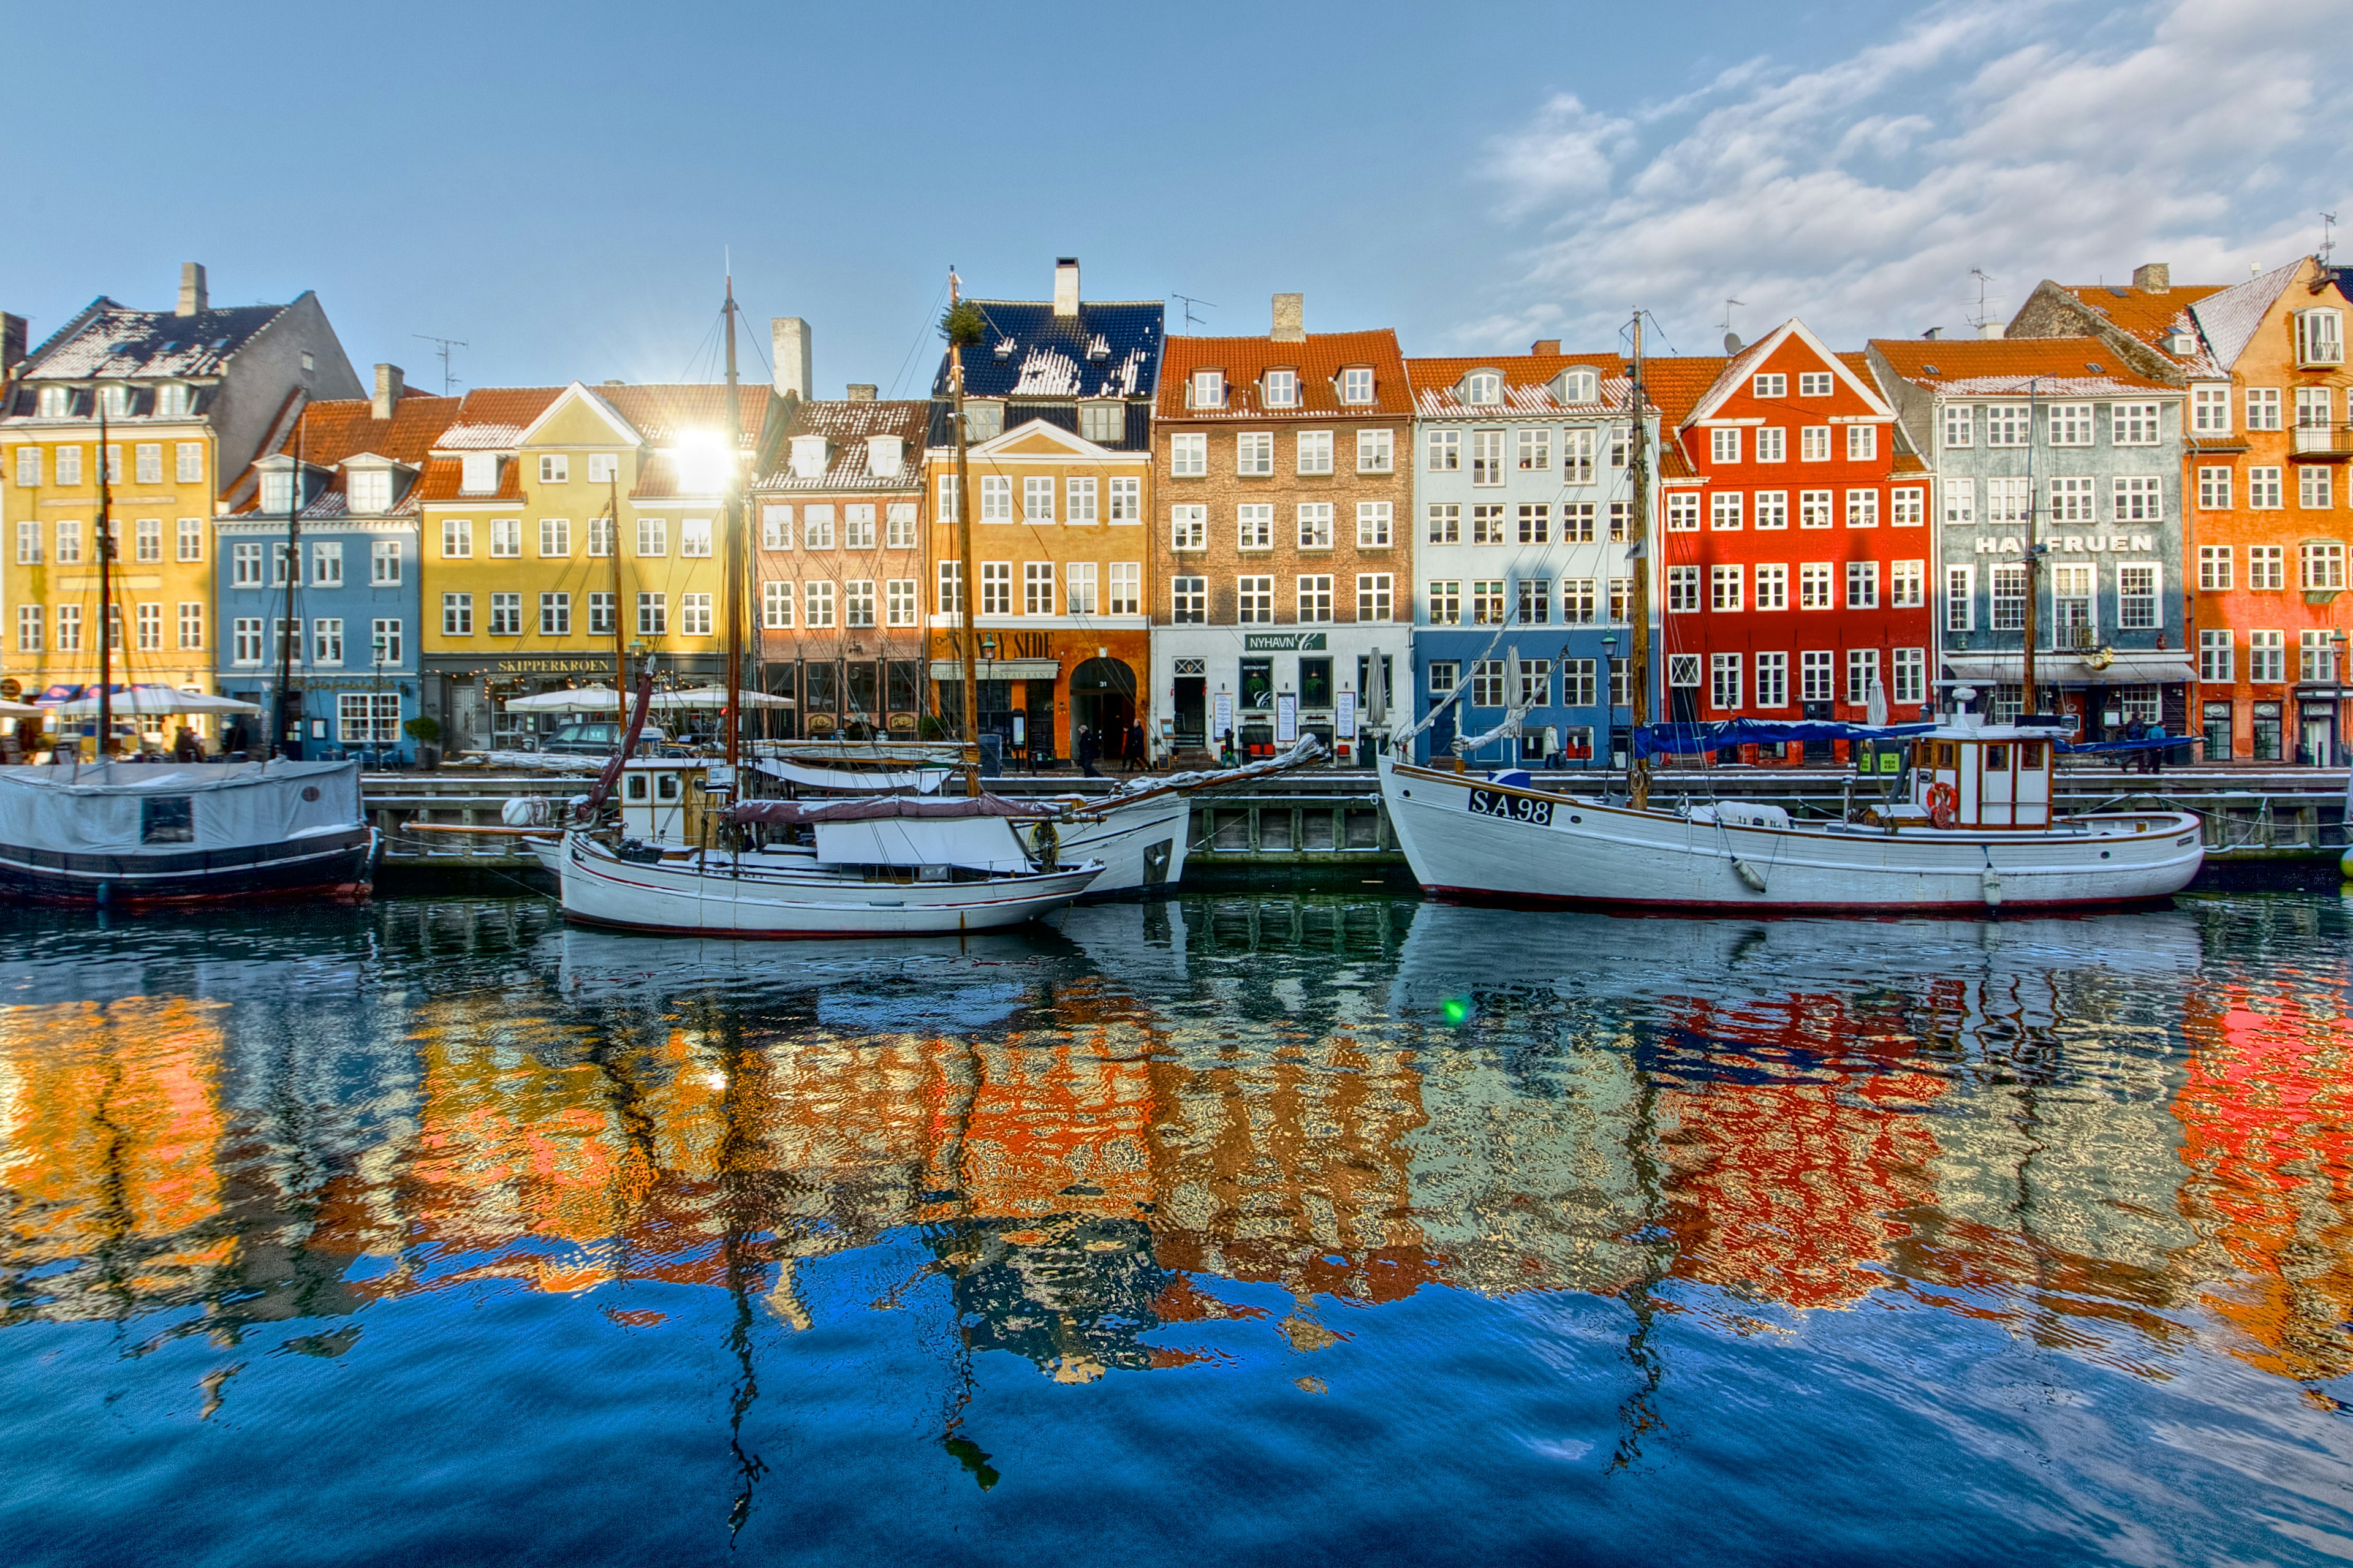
<point>1142,846</point>
<point>790,896</point>
<point>1467,837</point>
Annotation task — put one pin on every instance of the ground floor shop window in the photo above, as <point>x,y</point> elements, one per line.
<point>2267,732</point>
<point>1258,683</point>
<point>367,718</point>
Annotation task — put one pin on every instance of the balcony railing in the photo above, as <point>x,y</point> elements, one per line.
<point>2322,441</point>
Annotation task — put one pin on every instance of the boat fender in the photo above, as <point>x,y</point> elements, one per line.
<point>1991,879</point>
<point>1045,845</point>
<point>1748,874</point>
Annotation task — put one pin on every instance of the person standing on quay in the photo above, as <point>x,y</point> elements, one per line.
<point>1088,751</point>
<point>1136,746</point>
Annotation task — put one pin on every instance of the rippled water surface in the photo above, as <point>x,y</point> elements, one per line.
<point>1316,1228</point>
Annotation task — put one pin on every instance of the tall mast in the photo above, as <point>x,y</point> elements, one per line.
<point>965,586</point>
<point>105,593</point>
<point>735,516</point>
<point>293,577</point>
<point>613,557</point>
<point>1639,612</point>
<point>2027,703</point>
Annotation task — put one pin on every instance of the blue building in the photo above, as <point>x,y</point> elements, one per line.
<point>1523,517</point>
<point>346,472</point>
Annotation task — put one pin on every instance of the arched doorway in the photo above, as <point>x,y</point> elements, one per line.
<point>1102,698</point>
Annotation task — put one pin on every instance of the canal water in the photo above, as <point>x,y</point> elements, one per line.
<point>1319,1228</point>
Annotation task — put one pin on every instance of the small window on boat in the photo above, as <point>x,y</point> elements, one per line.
<point>2029,756</point>
<point>1997,759</point>
<point>1948,754</point>
<point>667,787</point>
<point>636,786</point>
<point>168,819</point>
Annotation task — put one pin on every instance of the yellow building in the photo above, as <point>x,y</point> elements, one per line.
<point>185,399</point>
<point>526,496</point>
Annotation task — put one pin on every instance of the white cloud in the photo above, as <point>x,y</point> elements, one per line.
<point>2033,140</point>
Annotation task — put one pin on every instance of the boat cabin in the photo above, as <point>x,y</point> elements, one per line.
<point>1969,774</point>
<point>668,800</point>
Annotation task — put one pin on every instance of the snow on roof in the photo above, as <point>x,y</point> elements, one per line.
<point>2229,319</point>
<point>109,340</point>
<point>1046,372</point>
<point>1111,349</point>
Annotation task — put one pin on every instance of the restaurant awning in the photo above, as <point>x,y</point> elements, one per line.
<point>2072,669</point>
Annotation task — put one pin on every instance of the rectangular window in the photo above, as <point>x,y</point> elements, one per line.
<point>1683,589</point>
<point>28,544</point>
<point>1446,523</point>
<point>1314,451</point>
<point>603,609</point>
<point>2312,487</point>
<point>457,615</point>
<point>1683,511</point>
<point>1814,509</point>
<point>2072,620</point>
<point>997,587</point>
<point>2139,499</point>
<point>1254,601</point>
<point>1907,506</point>
<point>555,614</point>
<point>245,640</point>
<point>278,564</point>
<point>857,529</point>
<point>191,625</point>
<point>2132,424</point>
<point>1315,600</point>
<point>2266,656</point>
<point>1254,454</point>
<point>1621,597</point>
<point>1444,451</point>
<point>147,540</point>
<point>694,609</point>
<point>2266,566</point>
<point>1773,586</point>
<point>326,563</point>
<point>1814,443</point>
<point>326,639</point>
<point>1577,522</point>
<point>899,601</point>
<point>554,539</point>
<point>1126,506</point>
<point>1960,502</point>
<point>2136,598</point>
<point>191,538</point>
<point>1816,673</point>
<point>1374,597</point>
<point>147,460</point>
<point>995,499</point>
<point>2263,408</point>
<point>1960,599</point>
<point>1189,455</point>
<point>1487,602</point>
<point>1188,528</point>
<point>2216,660</point>
<point>1772,510</point>
<point>1863,585</point>
<point>384,563</point>
<point>69,545</point>
<point>817,603</point>
<point>1724,511</point>
<point>2313,408</point>
<point>1254,527</point>
<point>2210,410</point>
<point>1376,451</point>
<point>506,615</point>
<point>28,466</point>
<point>1862,443</point>
<point>1577,684</point>
<point>1036,499</point>
<point>1446,603</point>
<point>1813,383</point>
<point>1577,604</point>
<point>1487,458</point>
<point>150,622</point>
<point>2008,423</point>
<point>68,465</point>
<point>2319,338</point>
<point>244,565</point>
<point>2007,501</point>
<point>1126,589</point>
<point>1535,450</point>
<point>1535,600</point>
<point>1911,675</point>
<point>950,587</point>
<point>1487,525</point>
<point>1079,587</point>
<point>2008,583</point>
<point>1772,681</point>
<point>555,468</point>
<point>2069,423</point>
<point>603,468</point>
<point>2322,566</point>
<point>456,539</point>
<point>1907,586</point>
<point>1315,525</point>
<point>2071,500</point>
<point>2214,568</point>
<point>1577,457</point>
<point>1724,586</point>
<point>1772,444</point>
<point>1036,587</point>
<point>1861,505</point>
<point>653,613</point>
<point>1815,590</point>
<point>1486,683</point>
<point>1535,523</point>
<point>1723,680</point>
<point>367,718</point>
<point>1861,674</point>
<point>776,601</point>
<point>1188,603</point>
<point>1724,444</point>
<point>600,538</point>
<point>1773,386</point>
<point>1960,425</point>
<point>1373,520</point>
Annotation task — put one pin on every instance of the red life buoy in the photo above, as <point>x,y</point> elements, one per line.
<point>1944,805</point>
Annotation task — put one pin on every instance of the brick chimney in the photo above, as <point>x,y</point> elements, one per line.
<point>193,297</point>
<point>861,391</point>
<point>1545,346</point>
<point>12,343</point>
<point>2153,277</point>
<point>389,386</point>
<point>1066,286</point>
<point>790,338</point>
<point>1290,318</point>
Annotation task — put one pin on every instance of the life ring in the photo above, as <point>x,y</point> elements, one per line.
<point>1045,845</point>
<point>1944,805</point>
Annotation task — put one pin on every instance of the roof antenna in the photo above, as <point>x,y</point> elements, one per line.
<point>1189,303</point>
<point>1978,321</point>
<point>1731,338</point>
<point>2327,236</point>
<point>445,345</point>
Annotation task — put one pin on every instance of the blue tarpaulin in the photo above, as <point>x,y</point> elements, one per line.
<point>1687,739</point>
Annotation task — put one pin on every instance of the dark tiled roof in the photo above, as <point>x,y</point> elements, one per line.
<point>110,339</point>
<point>1138,436</point>
<point>1111,349</point>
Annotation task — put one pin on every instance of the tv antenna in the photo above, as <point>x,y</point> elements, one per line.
<point>1190,320</point>
<point>1983,315</point>
<point>1731,338</point>
<point>443,348</point>
<point>2328,236</point>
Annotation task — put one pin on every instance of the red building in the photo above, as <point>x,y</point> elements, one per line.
<point>1794,544</point>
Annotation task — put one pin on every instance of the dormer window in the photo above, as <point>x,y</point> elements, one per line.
<point>1099,347</point>
<point>1482,388</point>
<point>808,456</point>
<point>882,456</point>
<point>115,400</point>
<point>1102,420</point>
<point>57,402</point>
<point>481,473</point>
<point>984,420</point>
<point>368,490</point>
<point>1356,383</point>
<point>2179,342</point>
<point>174,399</point>
<point>1209,389</point>
<point>278,490</point>
<point>1005,348</point>
<point>2319,337</point>
<point>1282,389</point>
<point>1578,387</point>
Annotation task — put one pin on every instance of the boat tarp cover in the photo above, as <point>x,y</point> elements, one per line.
<point>922,781</point>
<point>882,808</point>
<point>976,843</point>
<point>1687,739</point>
<point>101,808</point>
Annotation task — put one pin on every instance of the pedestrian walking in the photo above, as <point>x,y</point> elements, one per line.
<point>1135,747</point>
<point>185,748</point>
<point>1088,751</point>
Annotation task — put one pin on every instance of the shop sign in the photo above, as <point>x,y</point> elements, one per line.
<point>2066,544</point>
<point>1283,642</point>
<point>1286,719</point>
<point>551,665</point>
<point>1223,724</point>
<point>1343,717</point>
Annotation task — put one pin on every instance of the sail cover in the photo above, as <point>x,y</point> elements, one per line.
<point>974,843</point>
<point>113,808</point>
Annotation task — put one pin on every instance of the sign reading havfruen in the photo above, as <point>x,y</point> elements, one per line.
<point>2066,544</point>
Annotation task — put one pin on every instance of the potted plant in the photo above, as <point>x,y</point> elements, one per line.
<point>426,731</point>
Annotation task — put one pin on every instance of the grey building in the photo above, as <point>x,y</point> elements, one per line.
<point>2060,440</point>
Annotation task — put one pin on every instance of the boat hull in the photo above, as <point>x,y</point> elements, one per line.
<point>677,897</point>
<point>339,865</point>
<point>1142,846</point>
<point>1468,838</point>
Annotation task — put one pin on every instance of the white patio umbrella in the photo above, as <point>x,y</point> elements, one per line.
<point>1875,711</point>
<point>150,701</point>
<point>20,711</point>
<point>711,698</point>
<point>573,700</point>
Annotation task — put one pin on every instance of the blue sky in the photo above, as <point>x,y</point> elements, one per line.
<point>556,185</point>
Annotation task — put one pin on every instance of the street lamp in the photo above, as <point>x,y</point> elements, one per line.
<point>1609,698</point>
<point>376,690</point>
<point>2336,667</point>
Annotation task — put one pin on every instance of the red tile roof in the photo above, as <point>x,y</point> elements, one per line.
<point>661,412</point>
<point>2147,314</point>
<point>1994,366</point>
<point>444,480</point>
<point>1675,385</point>
<point>493,417</point>
<point>1527,381</point>
<point>345,427</point>
<point>1318,358</point>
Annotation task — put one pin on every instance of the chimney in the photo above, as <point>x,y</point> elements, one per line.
<point>389,385</point>
<point>790,337</point>
<point>1066,286</point>
<point>1289,316</point>
<point>861,391</point>
<point>1545,346</point>
<point>1933,333</point>
<point>1989,331</point>
<point>12,343</point>
<point>193,297</point>
<point>2153,277</point>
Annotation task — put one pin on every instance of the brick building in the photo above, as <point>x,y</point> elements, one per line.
<point>1285,491</point>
